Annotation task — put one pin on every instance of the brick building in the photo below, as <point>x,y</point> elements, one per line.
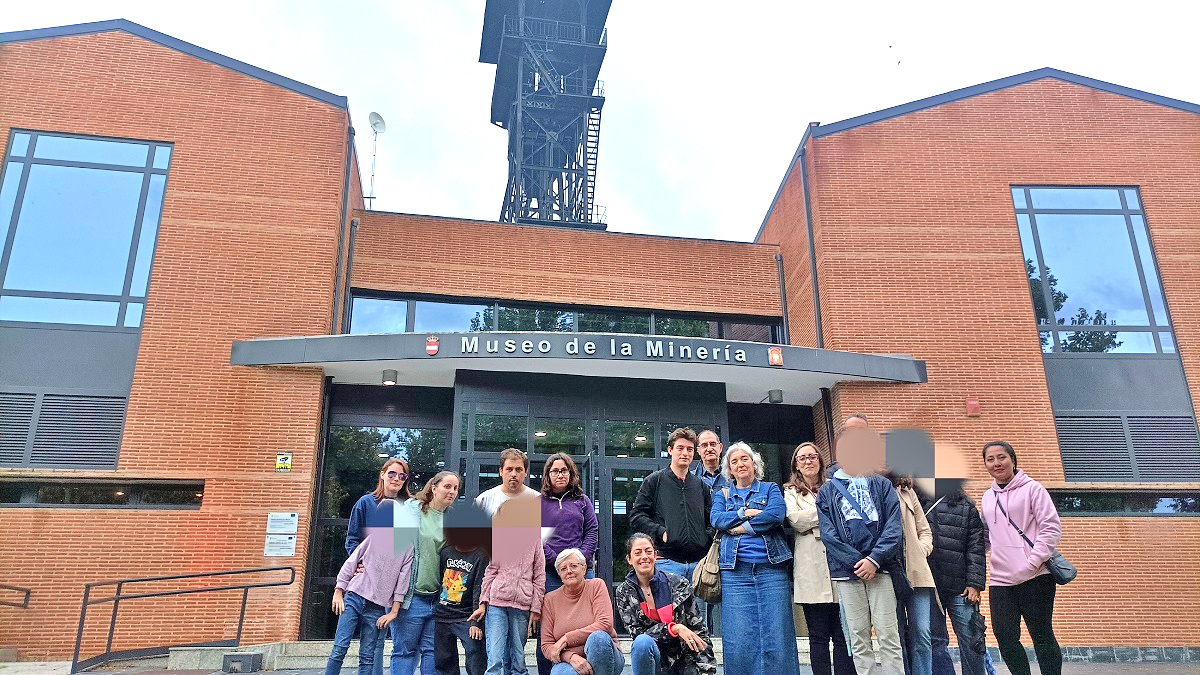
<point>201,325</point>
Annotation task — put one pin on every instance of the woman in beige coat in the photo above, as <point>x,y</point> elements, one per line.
<point>918,544</point>
<point>811,586</point>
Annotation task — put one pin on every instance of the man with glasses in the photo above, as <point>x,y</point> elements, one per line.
<point>709,471</point>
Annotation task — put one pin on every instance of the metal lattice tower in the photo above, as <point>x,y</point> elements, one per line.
<point>547,95</point>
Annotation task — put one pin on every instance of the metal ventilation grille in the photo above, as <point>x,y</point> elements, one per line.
<point>78,431</point>
<point>16,415</point>
<point>1166,448</point>
<point>1094,449</point>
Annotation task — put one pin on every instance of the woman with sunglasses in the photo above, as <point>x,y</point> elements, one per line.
<point>812,588</point>
<point>393,484</point>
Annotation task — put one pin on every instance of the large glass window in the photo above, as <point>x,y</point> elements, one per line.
<point>551,435</point>
<point>1092,274</point>
<point>614,322</point>
<point>354,455</point>
<point>451,317</point>
<point>683,326</point>
<point>496,433</point>
<point>628,439</point>
<point>535,319</point>
<point>80,218</point>
<point>377,315</point>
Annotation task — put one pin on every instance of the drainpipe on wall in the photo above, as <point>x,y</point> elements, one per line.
<point>787,334</point>
<point>349,276</point>
<point>812,245</point>
<point>827,406</point>
<point>337,284</point>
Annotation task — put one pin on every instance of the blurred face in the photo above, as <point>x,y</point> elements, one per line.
<point>444,493</point>
<point>572,571</point>
<point>641,557</point>
<point>393,475</point>
<point>998,463</point>
<point>808,463</point>
<point>560,475</point>
<point>860,451</point>
<point>855,423</point>
<point>682,451</point>
<point>710,448</point>
<point>741,467</point>
<point>513,474</point>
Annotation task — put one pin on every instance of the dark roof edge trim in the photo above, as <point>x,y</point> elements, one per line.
<point>180,46</point>
<point>808,131</point>
<point>1003,83</point>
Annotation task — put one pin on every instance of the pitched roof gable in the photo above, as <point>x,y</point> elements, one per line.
<point>180,46</point>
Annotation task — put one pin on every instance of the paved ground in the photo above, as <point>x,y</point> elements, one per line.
<point>38,668</point>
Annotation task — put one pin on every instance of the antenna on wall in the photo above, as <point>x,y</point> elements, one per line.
<point>378,126</point>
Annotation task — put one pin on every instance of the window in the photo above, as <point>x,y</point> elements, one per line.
<point>377,315</point>
<point>628,439</point>
<point>79,218</point>
<point>372,313</point>
<point>1077,503</point>
<point>354,454</point>
<point>1092,274</point>
<point>103,494</point>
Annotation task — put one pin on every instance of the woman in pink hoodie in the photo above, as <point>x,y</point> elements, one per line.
<point>1021,587</point>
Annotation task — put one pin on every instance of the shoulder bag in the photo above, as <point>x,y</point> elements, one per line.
<point>706,579</point>
<point>1060,568</point>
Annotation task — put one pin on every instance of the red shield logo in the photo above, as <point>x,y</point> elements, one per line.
<point>775,356</point>
<point>431,345</point>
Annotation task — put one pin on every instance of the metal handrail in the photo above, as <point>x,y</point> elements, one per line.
<point>560,31</point>
<point>117,596</point>
<point>24,604</point>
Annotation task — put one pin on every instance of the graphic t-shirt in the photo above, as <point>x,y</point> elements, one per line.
<point>462,579</point>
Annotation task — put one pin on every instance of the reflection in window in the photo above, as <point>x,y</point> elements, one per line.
<point>684,327</point>
<point>558,435</point>
<point>614,322</point>
<point>667,427</point>
<point>354,454</point>
<point>496,433</point>
<point>1127,503</point>
<point>535,319</point>
<point>376,315</point>
<point>447,317</point>
<point>1091,271</point>
<point>628,439</point>
<point>82,234</point>
<point>748,332</point>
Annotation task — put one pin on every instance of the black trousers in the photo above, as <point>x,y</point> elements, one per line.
<point>445,649</point>
<point>825,626</point>
<point>1032,601</point>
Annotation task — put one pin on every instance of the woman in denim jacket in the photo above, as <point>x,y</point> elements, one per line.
<point>756,593</point>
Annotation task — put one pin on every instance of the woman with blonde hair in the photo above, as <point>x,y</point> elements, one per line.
<point>812,588</point>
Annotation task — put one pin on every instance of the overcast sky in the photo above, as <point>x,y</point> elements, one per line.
<point>706,101</point>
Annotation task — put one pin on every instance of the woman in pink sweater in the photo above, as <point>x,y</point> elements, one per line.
<point>1021,587</point>
<point>577,622</point>
<point>510,601</point>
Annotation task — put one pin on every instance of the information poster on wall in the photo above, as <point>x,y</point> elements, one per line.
<point>283,523</point>
<point>283,462</point>
<point>280,546</point>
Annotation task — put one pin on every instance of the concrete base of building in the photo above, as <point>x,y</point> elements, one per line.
<point>8,654</point>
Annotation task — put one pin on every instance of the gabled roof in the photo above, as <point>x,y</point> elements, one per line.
<point>817,131</point>
<point>180,46</point>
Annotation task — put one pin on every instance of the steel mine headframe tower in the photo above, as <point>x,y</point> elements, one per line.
<point>547,95</point>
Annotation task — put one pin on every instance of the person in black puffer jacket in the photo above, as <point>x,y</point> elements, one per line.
<point>960,572</point>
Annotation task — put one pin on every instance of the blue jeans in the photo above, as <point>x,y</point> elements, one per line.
<point>919,643</point>
<point>645,656</point>
<point>970,629</point>
<point>413,635</point>
<point>602,654</point>
<point>505,630</point>
<point>685,570</point>
<point>553,583</point>
<point>756,615</point>
<point>359,615</point>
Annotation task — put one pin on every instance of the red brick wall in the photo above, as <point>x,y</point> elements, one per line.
<point>918,253</point>
<point>421,254</point>
<point>246,249</point>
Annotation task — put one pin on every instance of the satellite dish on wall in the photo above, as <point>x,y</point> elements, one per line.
<point>377,123</point>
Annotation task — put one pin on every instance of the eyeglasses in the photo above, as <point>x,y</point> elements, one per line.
<point>396,474</point>
<point>808,458</point>
<point>710,444</point>
<point>559,472</point>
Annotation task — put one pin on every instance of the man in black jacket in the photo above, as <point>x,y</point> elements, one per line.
<point>673,506</point>
<point>960,572</point>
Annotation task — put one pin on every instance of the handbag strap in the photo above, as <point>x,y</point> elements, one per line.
<point>847,496</point>
<point>934,506</point>
<point>1010,522</point>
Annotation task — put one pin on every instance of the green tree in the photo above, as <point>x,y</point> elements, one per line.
<point>1089,340</point>
<point>1059,298</point>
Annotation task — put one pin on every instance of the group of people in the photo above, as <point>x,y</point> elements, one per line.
<point>857,550</point>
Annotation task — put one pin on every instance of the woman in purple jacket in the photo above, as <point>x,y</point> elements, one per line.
<point>570,519</point>
<point>1021,587</point>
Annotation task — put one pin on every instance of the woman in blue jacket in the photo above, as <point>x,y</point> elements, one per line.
<point>756,593</point>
